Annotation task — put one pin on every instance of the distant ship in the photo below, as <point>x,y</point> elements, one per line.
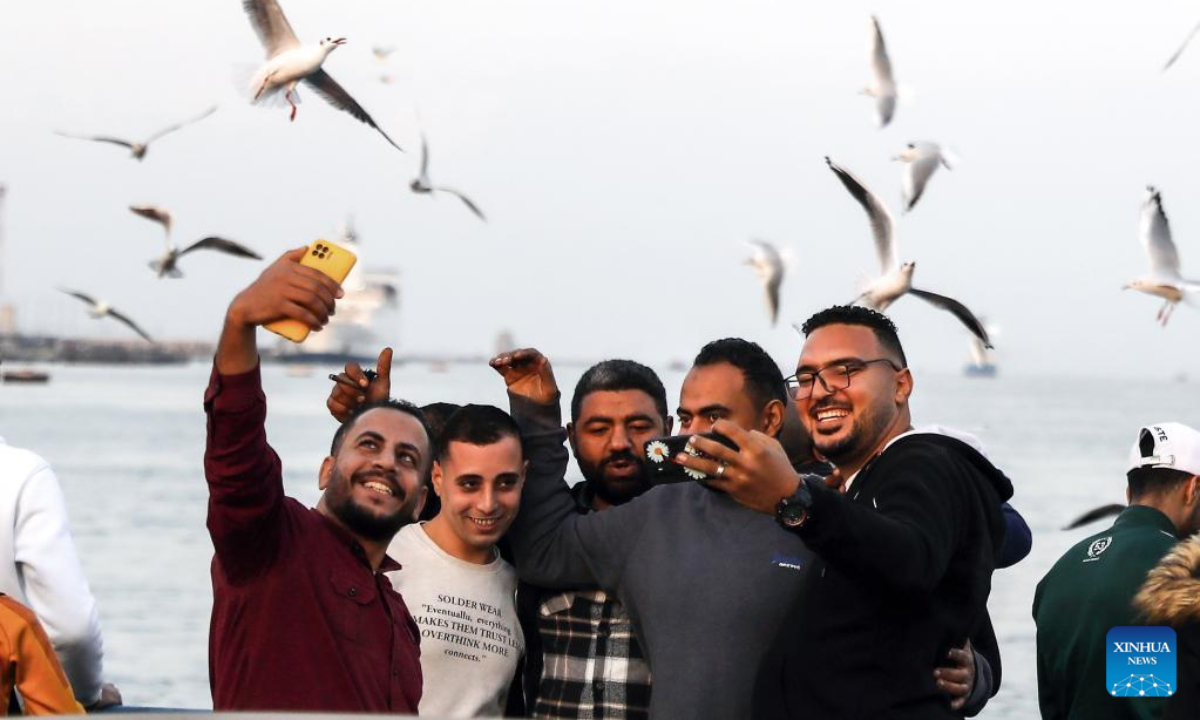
<point>980,363</point>
<point>371,304</point>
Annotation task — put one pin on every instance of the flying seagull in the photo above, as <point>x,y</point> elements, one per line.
<point>137,150</point>
<point>921,159</point>
<point>422,186</point>
<point>288,63</point>
<point>165,266</point>
<point>100,308</point>
<point>1186,41</point>
<point>1095,514</point>
<point>896,278</point>
<point>769,266</point>
<point>883,85</point>
<point>382,52</point>
<point>1164,280</point>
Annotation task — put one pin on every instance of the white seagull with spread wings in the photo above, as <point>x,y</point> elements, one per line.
<point>422,186</point>
<point>165,266</point>
<point>289,63</point>
<point>1165,279</point>
<point>768,265</point>
<point>896,278</point>
<point>100,308</point>
<point>137,150</point>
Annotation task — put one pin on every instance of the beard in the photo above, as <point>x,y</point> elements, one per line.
<point>361,520</point>
<point>866,429</point>
<point>615,491</point>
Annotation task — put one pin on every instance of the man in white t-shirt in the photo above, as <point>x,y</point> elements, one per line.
<point>458,589</point>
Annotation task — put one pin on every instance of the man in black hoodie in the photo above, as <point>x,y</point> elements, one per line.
<point>908,543</point>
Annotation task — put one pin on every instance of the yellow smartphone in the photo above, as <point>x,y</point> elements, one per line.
<point>326,257</point>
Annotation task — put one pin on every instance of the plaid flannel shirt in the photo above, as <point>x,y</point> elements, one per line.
<point>592,663</point>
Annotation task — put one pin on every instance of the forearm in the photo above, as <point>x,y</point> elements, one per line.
<point>237,350</point>
<point>907,547</point>
<point>546,550</point>
<point>245,477</point>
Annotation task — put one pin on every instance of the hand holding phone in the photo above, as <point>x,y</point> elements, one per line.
<point>659,451</point>
<point>329,259</point>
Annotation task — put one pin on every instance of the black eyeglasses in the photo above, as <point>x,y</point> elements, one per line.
<point>833,378</point>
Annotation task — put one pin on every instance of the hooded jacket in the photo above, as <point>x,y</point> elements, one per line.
<point>908,554</point>
<point>1171,596</point>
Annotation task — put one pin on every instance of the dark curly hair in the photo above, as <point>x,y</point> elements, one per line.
<point>881,325</point>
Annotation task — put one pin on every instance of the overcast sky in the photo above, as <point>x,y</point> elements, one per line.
<point>623,152</point>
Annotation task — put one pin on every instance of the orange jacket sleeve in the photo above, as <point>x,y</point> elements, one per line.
<point>30,665</point>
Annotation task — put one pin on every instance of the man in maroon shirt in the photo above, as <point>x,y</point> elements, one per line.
<point>303,617</point>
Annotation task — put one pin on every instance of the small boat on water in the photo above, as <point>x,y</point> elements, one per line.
<point>980,363</point>
<point>31,377</point>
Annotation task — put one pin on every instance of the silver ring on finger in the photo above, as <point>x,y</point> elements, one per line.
<point>721,469</point>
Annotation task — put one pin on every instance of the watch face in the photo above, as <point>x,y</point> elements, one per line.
<point>791,514</point>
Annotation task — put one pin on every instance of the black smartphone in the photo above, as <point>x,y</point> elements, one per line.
<point>659,451</point>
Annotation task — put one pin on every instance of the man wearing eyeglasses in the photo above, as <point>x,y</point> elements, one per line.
<point>908,549</point>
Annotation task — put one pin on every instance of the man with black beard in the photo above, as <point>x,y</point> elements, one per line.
<point>303,616</point>
<point>906,552</point>
<point>583,659</point>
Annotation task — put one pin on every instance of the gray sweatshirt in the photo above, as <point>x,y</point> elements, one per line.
<point>707,581</point>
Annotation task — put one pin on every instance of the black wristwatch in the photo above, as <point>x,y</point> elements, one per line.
<point>792,511</point>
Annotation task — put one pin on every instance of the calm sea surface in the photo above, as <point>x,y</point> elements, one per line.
<point>127,444</point>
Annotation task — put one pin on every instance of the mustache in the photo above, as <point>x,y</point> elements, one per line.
<point>620,455</point>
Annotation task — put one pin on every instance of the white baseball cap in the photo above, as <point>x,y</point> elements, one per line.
<point>1169,445</point>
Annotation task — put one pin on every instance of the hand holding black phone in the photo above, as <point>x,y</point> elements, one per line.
<point>660,451</point>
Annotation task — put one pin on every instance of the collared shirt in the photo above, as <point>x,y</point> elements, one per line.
<point>592,663</point>
<point>300,620</point>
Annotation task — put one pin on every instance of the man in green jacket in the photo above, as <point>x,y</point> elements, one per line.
<point>1090,589</point>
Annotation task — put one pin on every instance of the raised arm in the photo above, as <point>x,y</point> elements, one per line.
<point>244,475</point>
<point>555,545</point>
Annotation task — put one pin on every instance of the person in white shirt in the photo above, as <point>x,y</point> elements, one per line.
<point>40,569</point>
<point>457,587</point>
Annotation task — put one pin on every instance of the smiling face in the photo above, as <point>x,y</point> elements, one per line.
<point>849,425</point>
<point>609,438</point>
<point>373,484</point>
<point>480,490</point>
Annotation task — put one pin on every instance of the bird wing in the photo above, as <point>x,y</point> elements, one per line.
<point>272,26</point>
<point>1095,514</point>
<point>178,125</point>
<point>466,201</point>
<point>75,293</point>
<point>772,288</point>
<point>960,311</point>
<point>1155,233</point>
<point>221,244</point>
<point>130,323</point>
<point>916,175</point>
<point>98,138</point>
<point>337,96</point>
<point>882,227</point>
<point>1186,41</point>
<point>881,65</point>
<point>424,159</point>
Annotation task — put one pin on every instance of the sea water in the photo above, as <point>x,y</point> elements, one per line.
<point>127,444</point>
